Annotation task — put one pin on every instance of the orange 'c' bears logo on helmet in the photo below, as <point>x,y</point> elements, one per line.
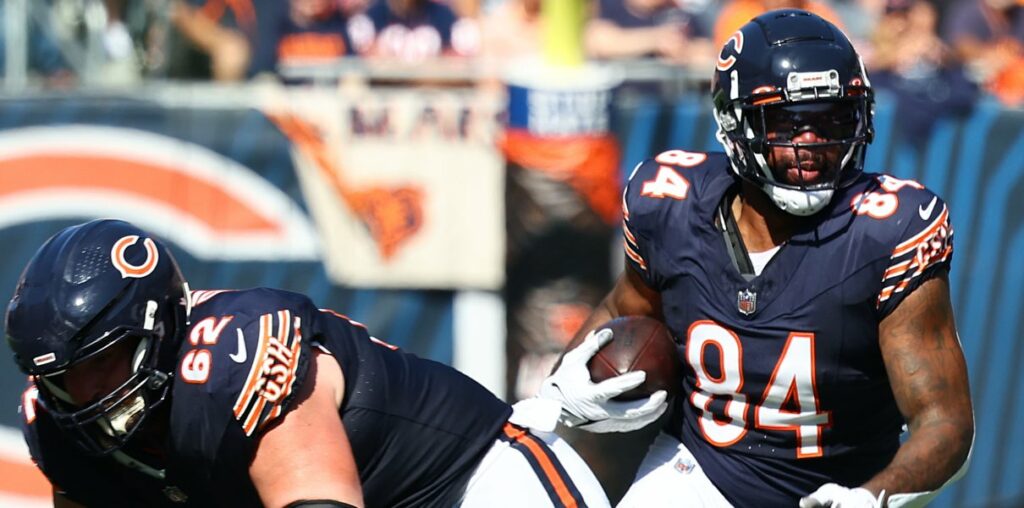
<point>127,269</point>
<point>726,63</point>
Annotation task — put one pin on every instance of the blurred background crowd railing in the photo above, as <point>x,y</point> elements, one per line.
<point>941,50</point>
<point>413,164</point>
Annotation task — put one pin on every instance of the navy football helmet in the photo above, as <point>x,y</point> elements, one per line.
<point>88,289</point>
<point>782,75</point>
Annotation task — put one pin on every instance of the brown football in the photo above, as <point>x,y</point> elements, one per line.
<point>638,343</point>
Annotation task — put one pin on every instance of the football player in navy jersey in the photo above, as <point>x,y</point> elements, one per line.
<point>809,299</point>
<point>143,393</point>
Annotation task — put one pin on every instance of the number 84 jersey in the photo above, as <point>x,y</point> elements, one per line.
<point>784,387</point>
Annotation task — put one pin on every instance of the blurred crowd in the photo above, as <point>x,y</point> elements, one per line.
<point>935,53</point>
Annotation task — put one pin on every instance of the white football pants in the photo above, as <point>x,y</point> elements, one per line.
<point>670,476</point>
<point>532,469</point>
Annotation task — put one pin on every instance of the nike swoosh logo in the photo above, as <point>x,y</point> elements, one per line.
<point>240,356</point>
<point>926,212</point>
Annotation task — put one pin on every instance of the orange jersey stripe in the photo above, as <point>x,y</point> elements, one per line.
<point>256,371</point>
<point>633,255</point>
<point>253,420</point>
<point>888,291</point>
<point>629,234</point>
<point>885,293</point>
<point>290,379</point>
<point>897,269</point>
<point>916,240</point>
<point>250,421</point>
<point>342,316</point>
<point>519,436</point>
<point>284,324</point>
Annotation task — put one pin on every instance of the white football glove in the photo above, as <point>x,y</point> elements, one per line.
<point>586,404</point>
<point>832,495</point>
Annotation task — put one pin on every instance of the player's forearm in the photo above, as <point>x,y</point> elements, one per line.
<point>928,375</point>
<point>938,446</point>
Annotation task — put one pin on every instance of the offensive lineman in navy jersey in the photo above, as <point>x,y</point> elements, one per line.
<point>143,393</point>
<point>809,300</point>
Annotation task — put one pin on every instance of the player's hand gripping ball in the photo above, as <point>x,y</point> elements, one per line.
<point>638,343</point>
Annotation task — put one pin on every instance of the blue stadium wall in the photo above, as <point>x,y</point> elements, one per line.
<point>418,321</point>
<point>976,163</point>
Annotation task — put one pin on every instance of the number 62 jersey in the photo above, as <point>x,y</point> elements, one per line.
<point>784,387</point>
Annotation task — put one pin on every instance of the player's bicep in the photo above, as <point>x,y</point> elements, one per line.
<point>630,296</point>
<point>924,360</point>
<point>307,455</point>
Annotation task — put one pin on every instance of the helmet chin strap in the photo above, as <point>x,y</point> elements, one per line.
<point>797,202</point>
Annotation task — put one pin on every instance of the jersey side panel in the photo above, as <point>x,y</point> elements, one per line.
<point>417,427</point>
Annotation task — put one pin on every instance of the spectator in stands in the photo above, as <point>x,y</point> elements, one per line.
<point>646,28</point>
<point>466,8</point>
<point>859,19</point>
<point>511,33</point>
<point>512,30</point>
<point>989,36</point>
<point>118,47</point>
<point>912,62</point>
<point>43,56</point>
<point>300,31</point>
<point>215,39</point>
<point>736,13</point>
<point>412,30</point>
<point>352,7</point>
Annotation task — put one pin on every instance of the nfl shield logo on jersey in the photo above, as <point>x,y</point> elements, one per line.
<point>746,302</point>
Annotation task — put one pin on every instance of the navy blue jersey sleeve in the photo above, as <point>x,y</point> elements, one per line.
<point>660,195</point>
<point>242,363</point>
<point>639,223</point>
<point>924,246</point>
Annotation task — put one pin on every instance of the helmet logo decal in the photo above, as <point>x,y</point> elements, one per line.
<point>44,359</point>
<point>127,269</point>
<point>726,63</point>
